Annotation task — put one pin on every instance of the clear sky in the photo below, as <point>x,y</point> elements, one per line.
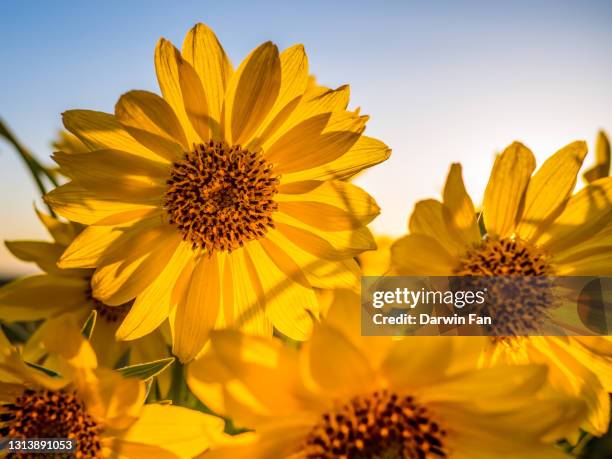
<point>442,81</point>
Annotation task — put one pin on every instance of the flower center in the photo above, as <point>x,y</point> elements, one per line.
<point>220,197</point>
<point>380,425</point>
<point>520,296</point>
<point>51,414</point>
<point>502,257</point>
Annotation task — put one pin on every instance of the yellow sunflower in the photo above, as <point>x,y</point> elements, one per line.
<point>99,408</point>
<point>534,226</point>
<point>68,291</point>
<point>347,396</point>
<point>222,203</point>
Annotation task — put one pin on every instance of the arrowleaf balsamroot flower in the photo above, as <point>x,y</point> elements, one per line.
<point>346,396</point>
<point>535,226</point>
<point>68,291</point>
<point>99,408</point>
<point>222,203</point>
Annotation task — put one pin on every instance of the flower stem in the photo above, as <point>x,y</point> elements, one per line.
<point>37,171</point>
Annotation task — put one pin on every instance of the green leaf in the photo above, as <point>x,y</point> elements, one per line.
<point>46,371</point>
<point>89,325</point>
<point>147,370</point>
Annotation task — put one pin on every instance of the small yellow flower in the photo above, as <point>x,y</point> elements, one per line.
<point>347,396</point>
<point>224,202</point>
<point>535,226</point>
<point>68,291</point>
<point>99,408</point>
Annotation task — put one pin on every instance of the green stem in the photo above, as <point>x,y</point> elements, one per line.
<point>35,168</point>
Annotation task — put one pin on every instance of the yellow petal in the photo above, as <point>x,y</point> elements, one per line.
<point>118,281</point>
<point>430,218</point>
<point>243,308</point>
<point>597,244</point>
<point>87,250</point>
<point>13,369</point>
<point>84,206</point>
<point>595,352</point>
<point>112,174</point>
<point>409,370</point>
<point>460,206</point>
<point>602,159</point>
<point>149,119</point>
<point>263,368</point>
<point>251,93</point>
<point>153,290</point>
<point>286,302</point>
<point>306,146</point>
<point>308,269</point>
<point>570,376</point>
<point>593,265</point>
<point>294,80</point>
<point>42,296</point>
<point>171,72</point>
<point>479,388</point>
<point>182,431</point>
<point>549,189</point>
<point>196,108</point>
<point>70,344</point>
<point>113,399</point>
<point>100,131</point>
<point>331,245</point>
<point>108,350</point>
<point>585,214</point>
<point>62,232</point>
<point>518,433</point>
<point>44,254</point>
<point>118,449</point>
<point>321,101</point>
<point>203,51</point>
<point>208,376</point>
<point>505,189</point>
<point>377,262</point>
<point>330,206</point>
<point>112,163</point>
<point>277,439</point>
<point>344,314</point>
<point>366,152</point>
<point>420,255</point>
<point>335,364</point>
<point>197,312</point>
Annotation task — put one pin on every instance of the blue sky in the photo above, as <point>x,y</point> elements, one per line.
<point>442,81</point>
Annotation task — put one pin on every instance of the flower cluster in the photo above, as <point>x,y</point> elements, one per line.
<point>217,224</point>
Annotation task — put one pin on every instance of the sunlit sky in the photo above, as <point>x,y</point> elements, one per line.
<point>442,81</point>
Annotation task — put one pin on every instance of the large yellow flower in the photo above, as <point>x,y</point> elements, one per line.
<point>68,291</point>
<point>221,203</point>
<point>346,396</point>
<point>99,408</point>
<point>534,226</point>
